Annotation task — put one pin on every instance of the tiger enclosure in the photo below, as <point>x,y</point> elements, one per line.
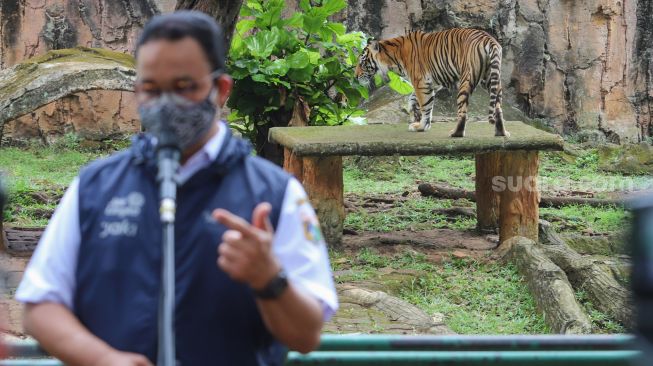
<point>471,183</point>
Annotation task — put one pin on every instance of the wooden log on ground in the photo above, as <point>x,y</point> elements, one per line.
<point>549,286</point>
<point>594,278</point>
<point>443,191</point>
<point>520,198</point>
<point>488,166</point>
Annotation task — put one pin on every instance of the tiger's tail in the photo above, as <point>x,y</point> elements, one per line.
<point>494,84</point>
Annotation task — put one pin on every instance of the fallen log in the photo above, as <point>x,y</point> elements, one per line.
<point>549,285</point>
<point>456,211</point>
<point>443,191</point>
<point>585,274</point>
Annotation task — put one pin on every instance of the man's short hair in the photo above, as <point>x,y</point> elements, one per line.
<point>188,23</point>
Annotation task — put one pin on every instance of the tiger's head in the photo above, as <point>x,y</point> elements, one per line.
<point>368,65</point>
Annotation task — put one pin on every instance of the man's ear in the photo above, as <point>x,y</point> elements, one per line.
<point>224,83</point>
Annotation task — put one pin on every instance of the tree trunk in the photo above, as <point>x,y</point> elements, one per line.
<point>550,287</point>
<point>595,279</point>
<point>488,166</point>
<point>224,11</point>
<point>323,183</point>
<point>519,203</point>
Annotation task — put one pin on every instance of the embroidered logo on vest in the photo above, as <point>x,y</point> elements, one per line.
<point>122,207</point>
<point>128,206</point>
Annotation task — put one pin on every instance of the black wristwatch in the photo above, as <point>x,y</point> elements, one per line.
<point>274,288</point>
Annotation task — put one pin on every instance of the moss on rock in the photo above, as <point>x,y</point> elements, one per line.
<point>626,159</point>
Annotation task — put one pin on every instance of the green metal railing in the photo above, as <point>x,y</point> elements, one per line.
<point>379,350</point>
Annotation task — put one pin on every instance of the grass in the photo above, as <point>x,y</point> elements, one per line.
<point>558,172</point>
<point>399,174</point>
<point>584,218</point>
<point>475,297</point>
<point>37,176</point>
<point>601,323</point>
<point>415,214</point>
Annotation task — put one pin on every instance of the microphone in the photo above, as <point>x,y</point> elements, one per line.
<point>168,154</point>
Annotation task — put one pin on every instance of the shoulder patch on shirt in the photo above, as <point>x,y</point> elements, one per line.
<point>312,230</point>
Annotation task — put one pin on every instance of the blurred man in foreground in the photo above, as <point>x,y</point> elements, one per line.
<point>248,278</point>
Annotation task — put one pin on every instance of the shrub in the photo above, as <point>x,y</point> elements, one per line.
<point>297,69</point>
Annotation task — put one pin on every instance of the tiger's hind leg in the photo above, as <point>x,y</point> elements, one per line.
<point>425,98</point>
<point>464,91</point>
<point>500,129</point>
<point>413,107</point>
<point>496,93</point>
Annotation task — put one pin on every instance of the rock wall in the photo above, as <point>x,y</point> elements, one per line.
<point>581,66</point>
<point>32,27</point>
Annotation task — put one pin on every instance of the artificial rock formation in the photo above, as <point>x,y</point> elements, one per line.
<point>30,28</point>
<point>581,65</point>
<point>32,88</point>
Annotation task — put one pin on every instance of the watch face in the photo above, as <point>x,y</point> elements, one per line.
<point>275,287</point>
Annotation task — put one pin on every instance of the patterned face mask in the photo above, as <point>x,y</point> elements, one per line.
<point>175,120</point>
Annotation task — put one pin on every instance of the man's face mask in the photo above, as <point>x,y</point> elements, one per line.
<point>170,117</point>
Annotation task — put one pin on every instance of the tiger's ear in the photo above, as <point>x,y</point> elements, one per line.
<point>373,44</point>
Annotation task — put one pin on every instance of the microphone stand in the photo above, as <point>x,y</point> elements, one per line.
<point>168,163</point>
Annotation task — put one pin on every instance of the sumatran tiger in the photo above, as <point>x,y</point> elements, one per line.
<point>432,61</point>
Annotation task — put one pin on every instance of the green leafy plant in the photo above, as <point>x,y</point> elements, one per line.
<point>395,81</point>
<point>298,68</point>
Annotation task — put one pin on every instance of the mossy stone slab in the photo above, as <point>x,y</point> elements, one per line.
<point>396,139</point>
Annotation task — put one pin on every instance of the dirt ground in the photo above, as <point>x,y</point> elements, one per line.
<point>357,313</point>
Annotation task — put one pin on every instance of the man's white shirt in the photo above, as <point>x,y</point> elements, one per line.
<point>50,274</point>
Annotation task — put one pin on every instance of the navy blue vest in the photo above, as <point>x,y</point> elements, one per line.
<point>119,266</point>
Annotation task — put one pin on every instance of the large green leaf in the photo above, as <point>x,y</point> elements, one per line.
<point>314,57</point>
<point>298,60</point>
<point>301,75</point>
<point>245,25</point>
<point>378,80</point>
<point>260,78</point>
<point>262,43</point>
<point>305,5</point>
<point>277,67</point>
<point>238,73</point>
<point>296,20</point>
<point>398,84</point>
<point>352,39</point>
<point>364,91</point>
<point>314,21</point>
<point>333,6</point>
<point>271,17</point>
<point>338,28</point>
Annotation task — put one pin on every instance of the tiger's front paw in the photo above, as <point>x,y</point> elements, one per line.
<point>414,127</point>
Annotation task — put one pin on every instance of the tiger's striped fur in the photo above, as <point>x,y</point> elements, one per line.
<point>432,61</point>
